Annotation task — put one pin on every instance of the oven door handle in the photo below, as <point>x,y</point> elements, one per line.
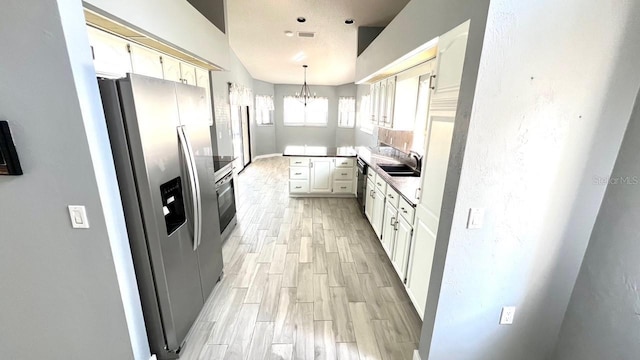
<point>195,186</point>
<point>224,180</point>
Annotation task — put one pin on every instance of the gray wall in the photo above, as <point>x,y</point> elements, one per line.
<point>263,138</point>
<point>237,74</point>
<point>329,136</point>
<point>540,129</point>
<point>602,319</point>
<point>63,296</point>
<point>366,34</point>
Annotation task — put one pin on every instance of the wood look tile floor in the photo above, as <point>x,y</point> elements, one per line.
<point>304,278</point>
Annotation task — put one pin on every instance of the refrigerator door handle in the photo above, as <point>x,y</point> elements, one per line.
<point>195,186</point>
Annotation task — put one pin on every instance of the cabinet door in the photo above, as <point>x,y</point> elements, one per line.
<point>369,201</point>
<point>202,80</point>
<point>171,69</point>
<point>146,61</point>
<point>402,245</point>
<point>378,212</point>
<point>389,228</point>
<point>188,73</point>
<point>382,103</point>
<point>321,169</point>
<point>375,93</point>
<point>389,102</point>
<point>450,60</point>
<point>111,56</point>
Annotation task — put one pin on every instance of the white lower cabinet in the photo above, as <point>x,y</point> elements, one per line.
<point>389,228</point>
<point>321,169</point>
<point>369,200</point>
<point>377,217</point>
<point>402,246</point>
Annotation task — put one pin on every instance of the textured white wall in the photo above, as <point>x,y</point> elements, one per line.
<point>555,89</point>
<point>65,293</point>
<point>602,318</point>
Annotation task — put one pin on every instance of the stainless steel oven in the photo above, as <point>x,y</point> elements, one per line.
<point>226,202</point>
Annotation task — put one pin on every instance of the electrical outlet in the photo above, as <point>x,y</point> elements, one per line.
<point>507,315</point>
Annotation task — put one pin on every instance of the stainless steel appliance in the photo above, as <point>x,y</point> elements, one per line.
<point>225,191</point>
<point>362,182</point>
<point>160,138</point>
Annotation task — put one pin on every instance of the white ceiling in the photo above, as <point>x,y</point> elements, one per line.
<point>256,34</point>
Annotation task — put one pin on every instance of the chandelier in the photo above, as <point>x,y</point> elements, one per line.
<point>304,96</point>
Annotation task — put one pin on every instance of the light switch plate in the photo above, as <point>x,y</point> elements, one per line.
<point>78,216</point>
<point>507,315</point>
<point>476,218</point>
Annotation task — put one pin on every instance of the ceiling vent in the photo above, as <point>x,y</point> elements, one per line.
<point>310,35</point>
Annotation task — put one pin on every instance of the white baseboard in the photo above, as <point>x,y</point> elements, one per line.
<point>153,357</point>
<point>416,355</point>
<point>266,156</point>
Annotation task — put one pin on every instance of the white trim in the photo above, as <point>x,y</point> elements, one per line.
<point>266,156</point>
<point>416,355</point>
<point>153,357</point>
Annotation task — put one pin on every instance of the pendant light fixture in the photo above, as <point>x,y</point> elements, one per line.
<point>304,96</point>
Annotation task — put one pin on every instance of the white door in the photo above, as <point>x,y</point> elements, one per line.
<point>400,257</point>
<point>389,102</point>
<point>378,212</point>
<point>146,61</point>
<point>111,56</point>
<point>442,111</point>
<point>171,69</point>
<point>382,103</point>
<point>321,169</point>
<point>389,228</point>
<point>369,201</point>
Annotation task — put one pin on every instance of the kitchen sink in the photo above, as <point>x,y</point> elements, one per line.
<point>399,170</point>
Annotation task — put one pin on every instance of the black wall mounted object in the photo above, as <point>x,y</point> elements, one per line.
<point>9,163</point>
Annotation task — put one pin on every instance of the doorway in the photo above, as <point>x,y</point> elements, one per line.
<point>241,136</point>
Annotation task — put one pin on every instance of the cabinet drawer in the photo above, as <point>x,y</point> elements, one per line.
<point>406,210</point>
<point>381,184</point>
<point>299,173</point>
<point>344,162</point>
<point>343,174</point>
<point>299,161</point>
<point>298,186</point>
<point>371,175</point>
<point>342,186</point>
<point>392,197</point>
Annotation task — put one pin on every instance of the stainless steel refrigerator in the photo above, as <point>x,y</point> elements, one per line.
<point>160,138</point>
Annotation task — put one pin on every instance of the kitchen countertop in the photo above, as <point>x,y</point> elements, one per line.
<point>319,151</point>
<point>405,185</point>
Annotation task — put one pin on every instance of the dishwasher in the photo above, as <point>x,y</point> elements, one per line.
<point>362,182</point>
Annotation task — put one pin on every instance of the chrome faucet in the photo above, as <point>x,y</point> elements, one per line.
<point>418,159</point>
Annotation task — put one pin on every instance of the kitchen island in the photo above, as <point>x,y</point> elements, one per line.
<point>321,171</point>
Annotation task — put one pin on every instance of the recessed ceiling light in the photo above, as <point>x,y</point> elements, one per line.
<point>288,33</point>
<point>301,19</point>
<point>349,21</point>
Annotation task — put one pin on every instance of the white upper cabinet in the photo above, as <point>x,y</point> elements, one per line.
<point>111,56</point>
<point>389,101</point>
<point>188,73</point>
<point>171,69</point>
<point>450,60</point>
<point>146,61</point>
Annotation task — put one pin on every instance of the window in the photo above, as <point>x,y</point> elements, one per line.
<point>314,114</point>
<point>264,110</point>
<point>365,115</point>
<point>346,112</point>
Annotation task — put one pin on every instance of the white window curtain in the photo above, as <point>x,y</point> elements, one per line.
<point>264,109</point>
<point>240,95</point>
<point>346,112</point>
<point>365,115</point>
<point>314,114</point>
